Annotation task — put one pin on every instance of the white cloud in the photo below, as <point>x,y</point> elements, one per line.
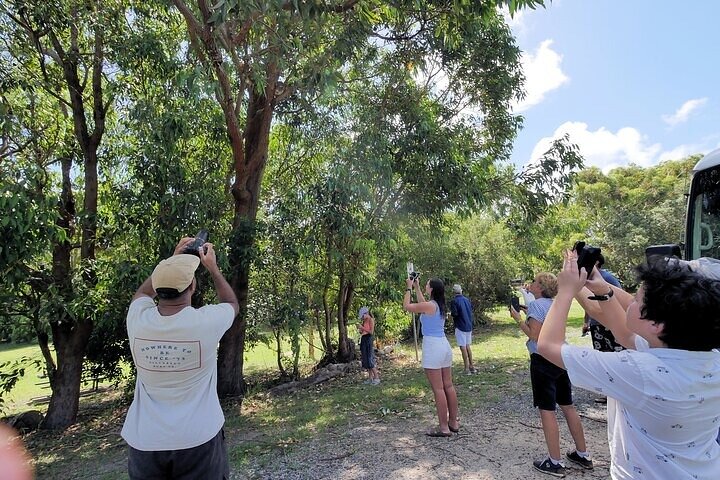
<point>543,74</point>
<point>682,114</point>
<point>516,22</point>
<point>683,151</point>
<point>603,148</point>
<point>606,150</point>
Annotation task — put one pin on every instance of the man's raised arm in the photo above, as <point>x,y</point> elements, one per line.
<point>223,289</point>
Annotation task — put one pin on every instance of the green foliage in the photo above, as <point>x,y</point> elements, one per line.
<point>631,208</point>
<point>487,261</point>
<point>623,212</point>
<point>21,331</point>
<point>391,322</point>
<point>477,252</point>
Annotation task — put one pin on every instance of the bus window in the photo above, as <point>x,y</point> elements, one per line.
<point>703,223</point>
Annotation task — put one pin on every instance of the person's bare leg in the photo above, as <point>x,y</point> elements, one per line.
<point>575,426</point>
<point>451,397</point>
<point>470,360</point>
<point>434,376</point>
<point>464,352</point>
<point>552,433</point>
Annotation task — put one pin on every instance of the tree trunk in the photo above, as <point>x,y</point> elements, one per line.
<point>249,168</point>
<point>47,354</point>
<point>277,334</point>
<point>328,327</point>
<point>326,309</point>
<point>311,341</point>
<point>232,345</point>
<point>70,341</point>
<point>346,350</point>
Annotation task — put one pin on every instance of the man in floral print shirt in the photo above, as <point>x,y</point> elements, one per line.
<point>664,392</point>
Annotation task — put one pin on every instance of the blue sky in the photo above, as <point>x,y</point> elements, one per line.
<point>631,81</point>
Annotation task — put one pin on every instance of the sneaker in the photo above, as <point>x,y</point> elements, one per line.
<point>367,382</point>
<point>546,466</point>
<point>474,371</point>
<point>376,381</point>
<point>468,372</point>
<point>586,463</point>
<point>601,400</point>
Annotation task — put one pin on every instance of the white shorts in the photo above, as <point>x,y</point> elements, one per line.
<point>436,352</point>
<point>464,339</point>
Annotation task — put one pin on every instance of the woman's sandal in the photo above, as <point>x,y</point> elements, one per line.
<point>438,433</point>
<point>454,430</point>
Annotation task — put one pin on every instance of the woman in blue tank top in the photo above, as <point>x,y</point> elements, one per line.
<point>436,351</point>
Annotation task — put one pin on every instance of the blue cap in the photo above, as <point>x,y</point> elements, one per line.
<point>363,311</point>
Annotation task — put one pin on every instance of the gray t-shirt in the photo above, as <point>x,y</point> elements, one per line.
<point>176,404</point>
<point>537,309</point>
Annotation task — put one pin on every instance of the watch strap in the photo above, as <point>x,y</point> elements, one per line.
<point>602,298</point>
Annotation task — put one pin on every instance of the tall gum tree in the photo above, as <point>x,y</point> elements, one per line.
<point>261,53</point>
<point>62,49</point>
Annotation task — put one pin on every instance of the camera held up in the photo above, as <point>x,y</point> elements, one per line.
<point>411,273</point>
<point>200,239</point>
<point>587,256</point>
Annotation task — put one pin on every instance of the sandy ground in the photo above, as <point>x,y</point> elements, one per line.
<point>496,441</point>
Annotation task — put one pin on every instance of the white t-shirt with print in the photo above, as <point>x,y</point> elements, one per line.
<point>176,404</point>
<point>663,408</point>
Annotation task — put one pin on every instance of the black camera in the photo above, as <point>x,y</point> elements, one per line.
<point>587,256</point>
<point>200,239</point>
<point>413,275</point>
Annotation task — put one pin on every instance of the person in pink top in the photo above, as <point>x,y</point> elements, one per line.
<point>367,352</point>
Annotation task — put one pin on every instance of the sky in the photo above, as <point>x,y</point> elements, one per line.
<point>631,81</point>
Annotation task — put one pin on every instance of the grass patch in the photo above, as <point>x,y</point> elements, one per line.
<point>27,387</point>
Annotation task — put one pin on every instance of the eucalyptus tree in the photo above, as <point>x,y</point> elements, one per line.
<point>57,56</point>
<point>263,53</point>
<point>165,176</point>
<point>400,150</point>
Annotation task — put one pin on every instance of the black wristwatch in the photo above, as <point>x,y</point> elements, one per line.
<point>602,298</point>
<point>409,290</point>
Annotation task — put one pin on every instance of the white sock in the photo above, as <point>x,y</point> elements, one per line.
<point>582,454</point>
<point>553,461</point>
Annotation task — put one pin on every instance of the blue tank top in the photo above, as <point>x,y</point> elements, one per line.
<point>432,325</point>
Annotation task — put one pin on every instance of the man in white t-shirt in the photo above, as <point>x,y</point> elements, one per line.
<point>174,425</point>
<point>664,391</point>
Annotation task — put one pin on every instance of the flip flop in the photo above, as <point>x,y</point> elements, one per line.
<point>438,433</point>
<point>454,430</point>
